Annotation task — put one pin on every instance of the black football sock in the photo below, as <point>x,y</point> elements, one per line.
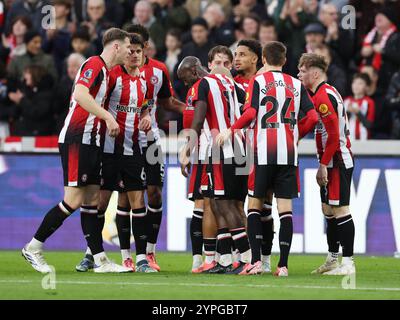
<point>346,232</point>
<point>267,225</point>
<point>224,239</point>
<point>332,234</point>
<point>154,217</point>
<point>210,246</point>
<point>254,232</point>
<point>241,241</point>
<point>53,220</point>
<point>90,228</point>
<point>123,222</point>
<point>139,230</point>
<point>196,231</point>
<point>285,237</point>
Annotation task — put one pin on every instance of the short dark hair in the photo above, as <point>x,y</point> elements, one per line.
<point>138,29</point>
<point>363,76</point>
<point>24,19</point>
<point>253,45</point>
<point>66,3</point>
<point>274,52</point>
<point>267,23</point>
<point>310,60</point>
<point>174,33</point>
<point>220,49</point>
<point>81,33</point>
<point>136,39</point>
<point>114,34</point>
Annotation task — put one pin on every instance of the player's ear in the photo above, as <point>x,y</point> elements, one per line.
<point>264,61</point>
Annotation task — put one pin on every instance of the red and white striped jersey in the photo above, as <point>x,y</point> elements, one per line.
<point>188,115</point>
<point>159,86</point>
<point>81,126</point>
<point>242,81</point>
<point>222,97</point>
<point>126,100</point>
<point>332,122</point>
<point>278,99</point>
<point>367,110</point>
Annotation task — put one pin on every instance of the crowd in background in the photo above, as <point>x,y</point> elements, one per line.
<point>38,65</point>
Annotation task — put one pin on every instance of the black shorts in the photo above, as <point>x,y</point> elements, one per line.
<point>81,164</point>
<point>123,173</point>
<point>337,192</point>
<point>226,181</point>
<point>154,165</point>
<point>281,179</point>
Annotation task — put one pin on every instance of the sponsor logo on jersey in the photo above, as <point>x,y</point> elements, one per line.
<point>323,108</point>
<point>154,80</point>
<point>127,109</point>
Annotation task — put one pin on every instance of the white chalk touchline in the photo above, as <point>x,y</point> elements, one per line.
<point>198,285</point>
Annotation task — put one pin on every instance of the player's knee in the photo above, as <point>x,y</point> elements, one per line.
<point>155,196</point>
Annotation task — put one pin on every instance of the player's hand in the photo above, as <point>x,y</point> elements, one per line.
<point>223,136</point>
<point>112,126</point>
<point>145,123</point>
<point>322,175</point>
<point>184,159</point>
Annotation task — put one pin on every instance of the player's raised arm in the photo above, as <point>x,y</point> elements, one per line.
<point>310,117</point>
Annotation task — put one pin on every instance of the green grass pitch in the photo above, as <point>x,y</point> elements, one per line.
<point>377,278</point>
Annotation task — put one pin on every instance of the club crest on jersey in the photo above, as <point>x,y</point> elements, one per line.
<point>154,80</point>
<point>88,73</point>
<point>84,177</point>
<point>323,108</point>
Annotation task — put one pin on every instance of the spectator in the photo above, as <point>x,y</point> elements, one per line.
<point>338,39</point>
<point>366,12</point>
<point>174,48</point>
<point>360,108</point>
<point>315,34</point>
<point>251,26</point>
<point>267,32</point>
<point>29,8</point>
<point>143,15</point>
<point>381,47</point>
<point>290,20</point>
<point>97,22</point>
<point>200,44</point>
<point>172,14</point>
<point>114,12</point>
<point>248,28</point>
<point>221,31</point>
<point>13,45</point>
<point>336,74</point>
<point>57,41</point>
<point>6,109</point>
<point>382,125</point>
<point>33,56</point>
<point>62,91</point>
<point>196,8</point>
<point>33,103</point>
<point>393,103</point>
<point>241,10</point>
<point>81,44</point>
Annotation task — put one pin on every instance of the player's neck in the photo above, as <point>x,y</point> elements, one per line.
<point>133,71</point>
<point>109,59</point>
<point>247,74</point>
<point>317,85</point>
<point>359,96</point>
<point>268,68</point>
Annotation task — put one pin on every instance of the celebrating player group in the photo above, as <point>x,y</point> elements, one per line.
<point>242,121</point>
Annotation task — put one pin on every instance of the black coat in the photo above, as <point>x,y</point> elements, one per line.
<point>35,116</point>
